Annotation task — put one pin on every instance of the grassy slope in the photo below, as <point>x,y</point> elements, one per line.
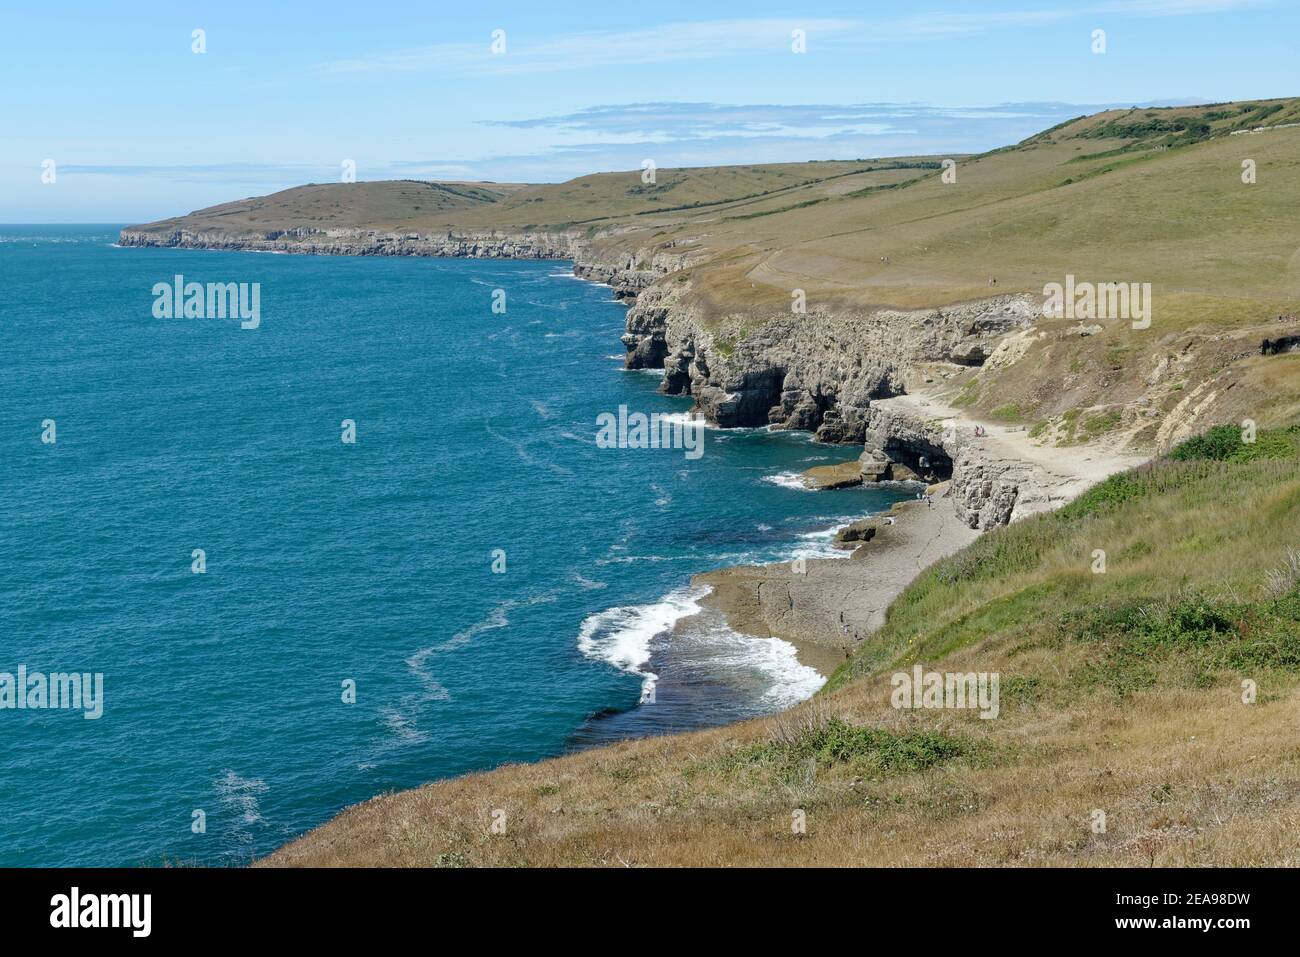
<point>601,198</point>
<point>1145,196</point>
<point>1163,207</point>
<point>1121,692</point>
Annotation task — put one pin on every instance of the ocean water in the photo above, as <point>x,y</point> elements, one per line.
<point>329,563</point>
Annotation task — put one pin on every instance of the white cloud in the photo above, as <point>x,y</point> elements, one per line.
<point>712,39</point>
<point>660,44</point>
<point>1177,8</point>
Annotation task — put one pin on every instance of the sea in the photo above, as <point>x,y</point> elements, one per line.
<point>370,541</point>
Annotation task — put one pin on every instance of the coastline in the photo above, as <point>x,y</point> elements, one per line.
<point>826,607</point>
<point>830,605</point>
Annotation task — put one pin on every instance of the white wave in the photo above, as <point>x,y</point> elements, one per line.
<point>240,795</point>
<point>687,420</point>
<point>819,544</point>
<point>623,636</point>
<point>774,661</point>
<point>663,498</point>
<point>498,617</point>
<point>791,480</point>
<point>402,726</point>
<point>419,665</point>
<point>633,559</point>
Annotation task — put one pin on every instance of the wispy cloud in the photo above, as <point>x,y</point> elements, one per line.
<point>1178,8</point>
<point>614,137</point>
<point>673,121</point>
<point>708,39</point>
<point>714,39</point>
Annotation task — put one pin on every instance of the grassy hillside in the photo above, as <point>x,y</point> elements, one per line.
<point>406,204</point>
<point>1155,195</point>
<point>601,199</point>
<point>1121,692</point>
<point>1134,196</point>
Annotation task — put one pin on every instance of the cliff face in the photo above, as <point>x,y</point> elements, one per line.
<point>829,372</point>
<point>818,371</point>
<point>627,271</point>
<point>361,242</point>
<point>594,261</point>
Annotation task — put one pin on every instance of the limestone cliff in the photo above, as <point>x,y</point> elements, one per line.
<point>828,371</point>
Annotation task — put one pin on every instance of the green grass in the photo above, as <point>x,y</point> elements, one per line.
<point>1200,574</point>
<point>872,751</point>
<point>1227,443</point>
<point>1196,636</point>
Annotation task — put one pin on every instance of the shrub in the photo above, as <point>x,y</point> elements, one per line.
<point>1224,443</point>
<point>1108,494</point>
<point>1219,443</point>
<point>831,740</point>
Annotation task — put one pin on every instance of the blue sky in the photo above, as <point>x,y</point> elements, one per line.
<point>140,127</point>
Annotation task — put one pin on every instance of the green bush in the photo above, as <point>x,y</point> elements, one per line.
<point>834,741</point>
<point>1196,634</point>
<point>1106,495</point>
<point>1224,443</point>
<point>1220,443</point>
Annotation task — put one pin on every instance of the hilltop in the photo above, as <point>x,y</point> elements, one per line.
<point>1135,196</point>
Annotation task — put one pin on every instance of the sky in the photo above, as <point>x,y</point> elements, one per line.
<point>138,126</point>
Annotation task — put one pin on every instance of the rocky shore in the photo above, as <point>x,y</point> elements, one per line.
<point>628,272</point>
<point>848,376</point>
<point>836,374</point>
<point>825,607</point>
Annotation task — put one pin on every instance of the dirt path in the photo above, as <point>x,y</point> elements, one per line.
<point>1066,471</point>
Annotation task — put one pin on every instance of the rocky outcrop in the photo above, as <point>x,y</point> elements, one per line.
<point>987,484</point>
<point>856,533</point>
<point>842,475</point>
<point>823,372</point>
<point>819,371</point>
<point>833,373</point>
<point>596,259</point>
<point>367,242</point>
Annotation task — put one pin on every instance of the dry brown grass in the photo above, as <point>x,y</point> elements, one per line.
<point>1185,771</point>
<point>1184,777</point>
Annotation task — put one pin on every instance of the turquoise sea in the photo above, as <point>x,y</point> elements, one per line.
<point>330,563</point>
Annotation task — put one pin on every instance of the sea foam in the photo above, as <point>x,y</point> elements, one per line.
<point>623,636</point>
